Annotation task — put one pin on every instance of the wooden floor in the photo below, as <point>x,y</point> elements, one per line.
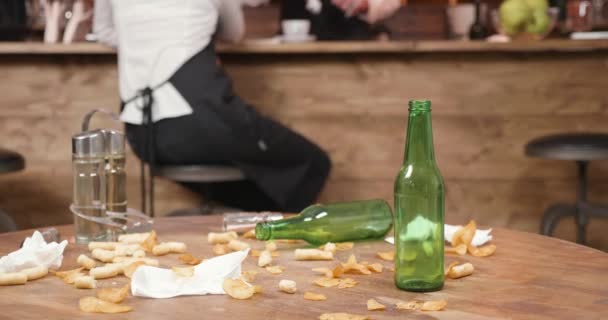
<point>485,108</point>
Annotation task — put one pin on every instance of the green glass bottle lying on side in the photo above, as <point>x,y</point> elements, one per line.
<point>339,222</point>
<point>419,208</point>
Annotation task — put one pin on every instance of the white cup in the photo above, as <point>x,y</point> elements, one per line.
<point>295,28</point>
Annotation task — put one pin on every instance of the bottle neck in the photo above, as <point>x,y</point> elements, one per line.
<point>280,229</point>
<point>419,142</point>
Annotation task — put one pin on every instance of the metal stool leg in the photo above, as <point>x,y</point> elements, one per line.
<point>582,218</point>
<point>553,214</point>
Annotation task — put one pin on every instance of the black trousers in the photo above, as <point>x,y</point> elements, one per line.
<point>284,170</point>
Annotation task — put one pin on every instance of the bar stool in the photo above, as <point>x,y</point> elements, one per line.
<point>582,148</point>
<point>9,162</point>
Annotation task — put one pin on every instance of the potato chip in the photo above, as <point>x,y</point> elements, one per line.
<point>327,282</point>
<point>447,269</point>
<point>375,267</point>
<point>220,249</point>
<point>343,246</point>
<point>271,246</point>
<point>129,270</point>
<point>249,276</point>
<point>265,259</point>
<point>313,254</point>
<point>183,272</point>
<point>12,278</point>
<point>388,255</point>
<point>238,289</point>
<point>347,283</point>
<point>258,289</point>
<point>434,305</point>
<point>69,276</point>
<point>342,316</point>
<point>275,269</point>
<point>221,238</point>
<point>150,241</point>
<point>484,251</point>
<point>189,259</point>
<point>337,271</point>
<point>460,249</point>
<point>351,266</point>
<point>408,305</point>
<point>465,234</point>
<point>114,295</point>
<point>314,296</point>
<point>94,305</point>
<point>249,234</point>
<point>373,305</point>
<point>456,271</point>
<point>287,286</point>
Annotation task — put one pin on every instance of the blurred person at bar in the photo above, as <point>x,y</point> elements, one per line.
<point>342,19</point>
<point>169,76</point>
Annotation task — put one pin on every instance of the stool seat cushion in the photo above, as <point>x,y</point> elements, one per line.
<point>571,146</point>
<point>10,161</point>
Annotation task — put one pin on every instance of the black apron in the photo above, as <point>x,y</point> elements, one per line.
<point>280,164</point>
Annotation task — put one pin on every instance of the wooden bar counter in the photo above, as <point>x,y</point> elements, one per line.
<point>351,98</point>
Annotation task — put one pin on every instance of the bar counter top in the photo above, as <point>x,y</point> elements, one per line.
<point>264,47</point>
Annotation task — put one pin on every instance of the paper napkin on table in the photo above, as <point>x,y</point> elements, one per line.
<point>34,252</point>
<point>208,278</point>
<point>481,236</point>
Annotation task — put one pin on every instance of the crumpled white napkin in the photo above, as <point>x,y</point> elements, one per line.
<point>208,278</point>
<point>34,252</point>
<point>481,236</point>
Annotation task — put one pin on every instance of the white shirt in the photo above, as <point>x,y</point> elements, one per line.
<point>154,38</point>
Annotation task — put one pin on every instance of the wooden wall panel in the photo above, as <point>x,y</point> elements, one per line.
<point>486,107</point>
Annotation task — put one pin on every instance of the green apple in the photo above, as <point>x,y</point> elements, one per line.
<point>514,15</point>
<point>538,4</point>
<point>539,23</point>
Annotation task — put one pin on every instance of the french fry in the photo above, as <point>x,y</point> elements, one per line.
<point>313,254</point>
<point>85,282</point>
<point>373,305</point>
<point>107,271</point>
<point>187,258</point>
<point>249,234</point>
<point>102,245</point>
<point>69,276</point>
<point>314,296</point>
<point>129,260</point>
<point>265,259</point>
<point>130,269</point>
<point>342,316</point>
<point>449,267</point>
<point>114,295</point>
<point>183,272</point>
<point>35,272</point>
<point>139,254</point>
<point>433,305</point>
<point>256,253</point>
<point>387,256</point>
<point>220,249</point>
<point>127,249</point>
<point>86,262</point>
<point>221,238</point>
<point>150,241</point>
<point>460,249</point>
<point>275,269</point>
<point>130,238</point>
<point>484,251</point>
<point>271,246</point>
<point>351,266</point>
<point>237,245</point>
<point>103,255</point>
<point>169,247</point>
<point>238,289</point>
<point>288,286</point>
<point>12,278</point>
<point>325,271</point>
<point>95,305</point>
<point>460,271</point>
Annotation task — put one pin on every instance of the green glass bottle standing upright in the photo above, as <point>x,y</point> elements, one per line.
<point>419,208</point>
<point>319,224</point>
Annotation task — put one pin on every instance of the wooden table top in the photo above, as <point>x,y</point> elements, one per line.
<point>529,277</point>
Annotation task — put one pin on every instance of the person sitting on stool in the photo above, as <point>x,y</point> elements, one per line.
<point>170,81</point>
